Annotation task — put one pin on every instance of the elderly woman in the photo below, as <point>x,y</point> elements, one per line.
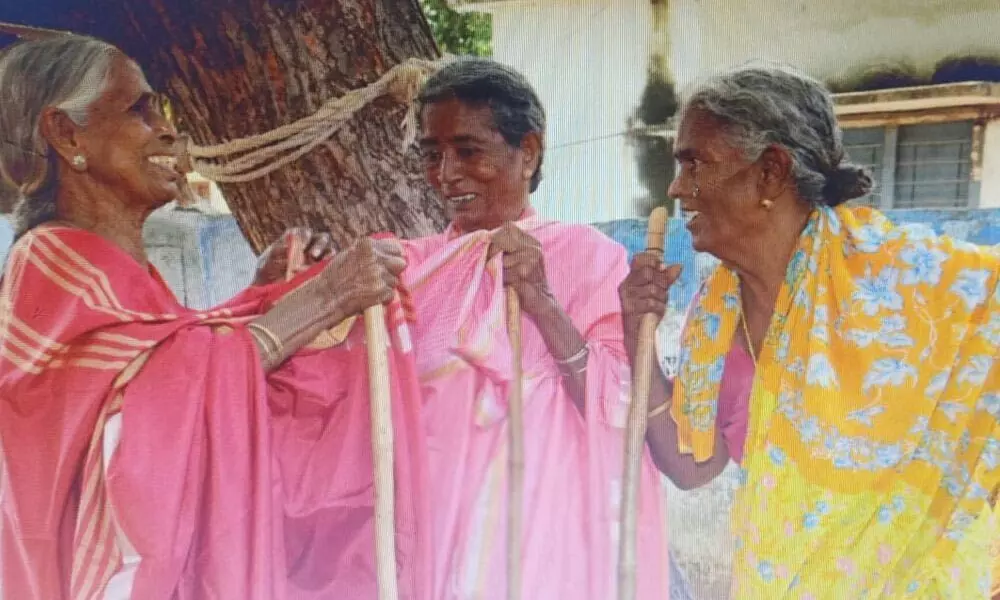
<point>847,364</point>
<point>151,451</point>
<point>482,140</point>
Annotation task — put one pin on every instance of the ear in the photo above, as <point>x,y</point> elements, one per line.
<point>62,134</point>
<point>776,171</point>
<point>531,152</point>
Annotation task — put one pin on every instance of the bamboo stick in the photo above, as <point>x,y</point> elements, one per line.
<point>377,342</point>
<point>515,476</point>
<point>296,256</point>
<point>635,442</point>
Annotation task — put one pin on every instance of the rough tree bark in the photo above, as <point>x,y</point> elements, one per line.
<point>233,68</point>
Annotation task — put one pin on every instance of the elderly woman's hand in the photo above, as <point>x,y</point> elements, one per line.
<point>273,263</point>
<point>523,268</point>
<point>364,275</point>
<point>645,291</point>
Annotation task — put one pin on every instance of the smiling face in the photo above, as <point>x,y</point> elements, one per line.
<point>717,186</point>
<point>483,180</point>
<point>128,143</point>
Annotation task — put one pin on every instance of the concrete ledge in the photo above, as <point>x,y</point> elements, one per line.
<point>973,94</point>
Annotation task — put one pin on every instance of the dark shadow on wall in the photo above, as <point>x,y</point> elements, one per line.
<point>654,147</point>
<point>954,69</point>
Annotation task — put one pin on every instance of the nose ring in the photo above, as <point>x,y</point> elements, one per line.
<point>697,190</point>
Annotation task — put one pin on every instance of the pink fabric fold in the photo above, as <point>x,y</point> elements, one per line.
<point>228,485</point>
<point>572,481</point>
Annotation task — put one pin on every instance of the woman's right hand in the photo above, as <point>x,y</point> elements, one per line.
<point>645,291</point>
<point>363,275</point>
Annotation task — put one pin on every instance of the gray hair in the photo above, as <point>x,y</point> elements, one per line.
<point>68,72</point>
<point>517,111</point>
<point>765,105</point>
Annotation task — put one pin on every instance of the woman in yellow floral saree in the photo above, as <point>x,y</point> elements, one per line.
<point>866,423</point>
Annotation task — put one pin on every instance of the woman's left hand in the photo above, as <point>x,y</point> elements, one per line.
<point>273,263</point>
<point>523,268</point>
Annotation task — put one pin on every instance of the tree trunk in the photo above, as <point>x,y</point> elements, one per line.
<point>234,68</point>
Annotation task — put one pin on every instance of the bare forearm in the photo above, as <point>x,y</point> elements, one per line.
<point>661,437</point>
<point>563,342</point>
<point>294,322</point>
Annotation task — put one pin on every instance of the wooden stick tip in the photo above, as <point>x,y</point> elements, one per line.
<point>657,229</point>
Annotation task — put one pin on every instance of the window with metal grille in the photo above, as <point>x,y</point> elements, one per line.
<point>866,147</point>
<point>916,166</point>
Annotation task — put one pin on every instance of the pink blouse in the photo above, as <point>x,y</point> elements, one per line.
<point>734,399</point>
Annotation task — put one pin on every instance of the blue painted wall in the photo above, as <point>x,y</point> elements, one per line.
<point>207,260</point>
<point>6,238</point>
<point>226,257</point>
<point>977,226</point>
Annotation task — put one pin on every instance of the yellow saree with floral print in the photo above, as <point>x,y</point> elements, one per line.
<point>872,444</point>
<point>995,555</point>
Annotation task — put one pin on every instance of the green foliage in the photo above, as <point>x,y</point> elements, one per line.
<point>459,33</point>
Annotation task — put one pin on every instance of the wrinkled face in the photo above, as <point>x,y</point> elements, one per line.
<point>128,143</point>
<point>716,186</point>
<point>483,180</point>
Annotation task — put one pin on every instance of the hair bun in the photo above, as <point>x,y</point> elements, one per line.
<point>848,181</point>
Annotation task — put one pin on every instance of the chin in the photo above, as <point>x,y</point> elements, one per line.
<point>467,222</point>
<point>166,196</point>
<point>698,244</point>
<point>466,226</point>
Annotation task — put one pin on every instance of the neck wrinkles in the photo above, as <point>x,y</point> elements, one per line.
<point>121,225</point>
<point>762,266</point>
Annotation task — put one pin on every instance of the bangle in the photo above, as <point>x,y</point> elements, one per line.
<point>566,365</point>
<point>581,353</point>
<point>658,410</point>
<point>565,372</point>
<point>278,347</point>
<point>265,348</point>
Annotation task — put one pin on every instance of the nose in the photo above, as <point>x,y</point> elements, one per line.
<point>684,186</point>
<point>449,170</point>
<point>165,130</point>
<point>675,189</point>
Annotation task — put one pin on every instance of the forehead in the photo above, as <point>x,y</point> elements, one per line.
<point>448,120</point>
<point>701,134</point>
<point>126,83</point>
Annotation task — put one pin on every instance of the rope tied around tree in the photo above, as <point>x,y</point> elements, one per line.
<point>255,156</point>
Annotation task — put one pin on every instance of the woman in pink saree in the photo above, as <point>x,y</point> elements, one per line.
<point>482,140</point>
<point>150,450</point>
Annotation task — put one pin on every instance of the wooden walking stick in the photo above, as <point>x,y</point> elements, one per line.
<point>515,462</point>
<point>377,342</point>
<point>635,442</point>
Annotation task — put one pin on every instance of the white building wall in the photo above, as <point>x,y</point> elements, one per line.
<point>587,60</point>
<point>989,191</point>
<point>828,39</point>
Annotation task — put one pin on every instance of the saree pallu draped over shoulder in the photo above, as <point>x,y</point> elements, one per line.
<point>224,483</point>
<point>872,446</point>
<point>573,462</point>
